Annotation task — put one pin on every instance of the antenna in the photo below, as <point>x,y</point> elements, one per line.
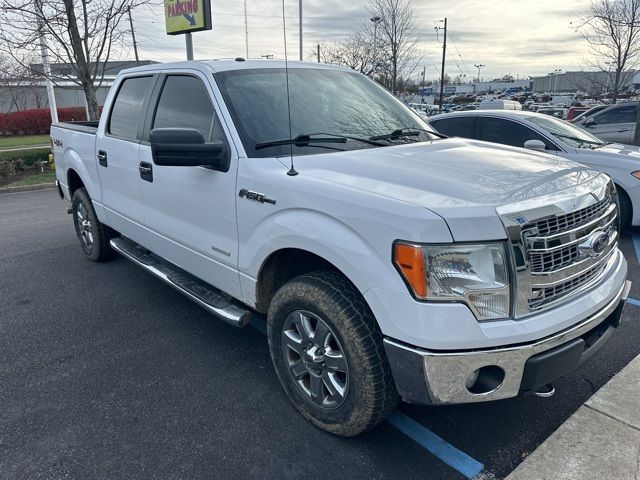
<point>292,171</point>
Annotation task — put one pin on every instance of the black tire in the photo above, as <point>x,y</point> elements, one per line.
<point>370,392</point>
<point>626,209</point>
<point>98,249</point>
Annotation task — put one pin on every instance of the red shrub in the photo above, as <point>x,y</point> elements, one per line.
<point>36,121</point>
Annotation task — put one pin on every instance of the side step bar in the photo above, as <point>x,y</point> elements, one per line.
<point>205,295</point>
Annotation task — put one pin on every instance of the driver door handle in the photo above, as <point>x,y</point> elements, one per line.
<point>102,158</point>
<point>146,171</point>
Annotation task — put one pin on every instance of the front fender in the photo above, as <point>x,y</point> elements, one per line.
<point>321,235</point>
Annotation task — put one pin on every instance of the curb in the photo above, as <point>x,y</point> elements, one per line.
<point>600,440</point>
<point>27,188</point>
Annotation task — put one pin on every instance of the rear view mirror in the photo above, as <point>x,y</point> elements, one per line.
<point>185,147</point>
<point>535,145</point>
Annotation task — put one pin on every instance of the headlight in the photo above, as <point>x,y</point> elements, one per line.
<point>475,274</point>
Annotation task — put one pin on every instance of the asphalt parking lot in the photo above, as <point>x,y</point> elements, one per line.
<point>105,372</point>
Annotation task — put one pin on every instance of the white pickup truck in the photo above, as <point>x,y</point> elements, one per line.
<point>389,263</point>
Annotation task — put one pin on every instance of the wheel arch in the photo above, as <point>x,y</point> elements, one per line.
<point>74,181</point>
<point>627,199</point>
<point>281,266</point>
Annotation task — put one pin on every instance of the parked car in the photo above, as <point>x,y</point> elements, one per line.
<point>557,112</point>
<point>386,261</point>
<point>497,104</point>
<point>614,124</point>
<point>535,131</point>
<point>573,112</point>
<point>592,111</point>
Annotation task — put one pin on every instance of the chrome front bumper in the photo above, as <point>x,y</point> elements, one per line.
<point>436,378</point>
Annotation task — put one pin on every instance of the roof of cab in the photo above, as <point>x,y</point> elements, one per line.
<point>232,64</point>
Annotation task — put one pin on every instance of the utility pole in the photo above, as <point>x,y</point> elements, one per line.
<point>133,36</point>
<point>424,72</point>
<point>318,53</point>
<point>444,53</point>
<point>300,26</point>
<point>636,137</point>
<point>480,66</point>
<point>246,31</point>
<point>45,64</point>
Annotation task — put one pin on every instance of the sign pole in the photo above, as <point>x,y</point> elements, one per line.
<point>189,41</point>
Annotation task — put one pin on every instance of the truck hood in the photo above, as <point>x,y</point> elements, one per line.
<point>461,180</point>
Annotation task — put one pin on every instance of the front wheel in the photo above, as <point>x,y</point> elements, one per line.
<point>626,209</point>
<point>327,351</point>
<point>93,235</point>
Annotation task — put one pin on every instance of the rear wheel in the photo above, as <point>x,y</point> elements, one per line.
<point>93,235</point>
<point>327,351</point>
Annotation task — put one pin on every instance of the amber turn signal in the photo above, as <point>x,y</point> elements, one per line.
<point>409,260</point>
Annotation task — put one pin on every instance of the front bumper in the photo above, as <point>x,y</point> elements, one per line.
<point>436,378</point>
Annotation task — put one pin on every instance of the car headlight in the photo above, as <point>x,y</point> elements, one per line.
<point>474,273</point>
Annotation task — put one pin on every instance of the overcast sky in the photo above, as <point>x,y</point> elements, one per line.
<point>520,37</point>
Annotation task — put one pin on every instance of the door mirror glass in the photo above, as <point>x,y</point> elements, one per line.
<point>185,147</point>
<point>535,145</point>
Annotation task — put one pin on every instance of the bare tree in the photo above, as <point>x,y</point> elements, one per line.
<point>397,33</point>
<point>396,43</point>
<point>612,30</point>
<point>83,34</point>
<point>355,51</point>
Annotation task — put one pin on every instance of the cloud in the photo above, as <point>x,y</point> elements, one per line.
<point>509,37</point>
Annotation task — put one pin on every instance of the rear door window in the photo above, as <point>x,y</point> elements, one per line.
<point>508,132</point>
<point>127,113</point>
<point>464,127</point>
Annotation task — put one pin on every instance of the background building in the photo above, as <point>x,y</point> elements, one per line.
<point>30,92</point>
<point>588,82</point>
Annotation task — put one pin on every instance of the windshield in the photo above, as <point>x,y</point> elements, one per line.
<point>323,102</point>
<point>569,134</point>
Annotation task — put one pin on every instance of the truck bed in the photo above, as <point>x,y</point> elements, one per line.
<point>90,127</point>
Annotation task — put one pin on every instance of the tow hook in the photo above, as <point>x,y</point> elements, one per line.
<point>546,391</point>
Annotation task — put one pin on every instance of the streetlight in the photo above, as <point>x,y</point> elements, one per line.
<point>375,21</point>
<point>556,72</point>
<point>479,67</point>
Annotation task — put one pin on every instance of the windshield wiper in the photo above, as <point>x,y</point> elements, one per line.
<point>577,139</point>
<point>405,132</point>
<point>300,141</point>
<point>307,139</point>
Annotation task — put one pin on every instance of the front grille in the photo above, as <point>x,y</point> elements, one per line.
<point>563,223</point>
<point>558,248</point>
<point>544,296</point>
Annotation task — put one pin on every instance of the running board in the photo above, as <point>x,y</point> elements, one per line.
<point>205,295</point>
